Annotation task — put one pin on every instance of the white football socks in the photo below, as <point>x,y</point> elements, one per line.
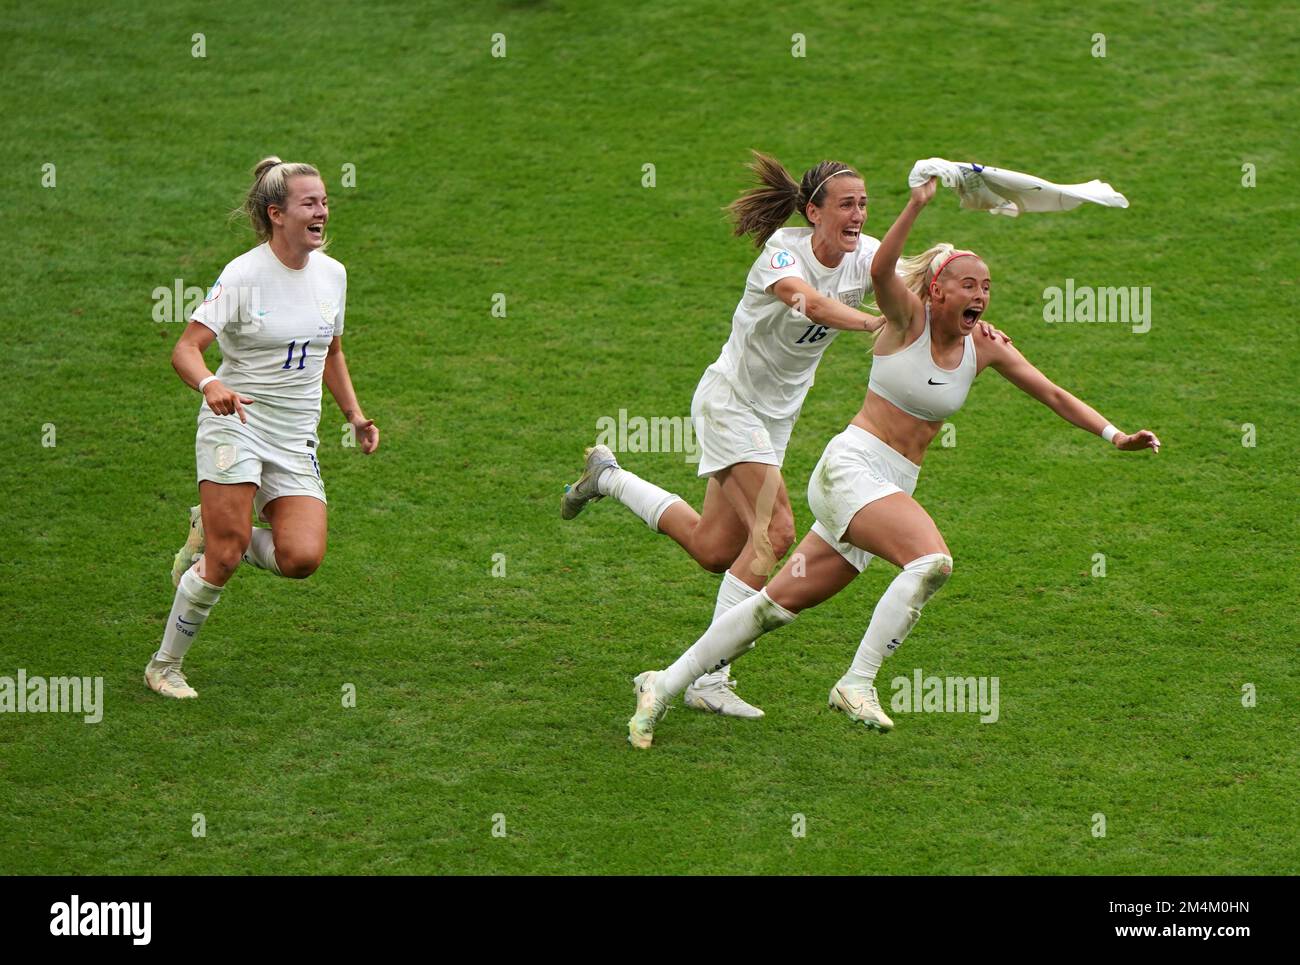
<point>195,598</point>
<point>644,498</point>
<point>730,592</point>
<point>261,551</point>
<point>896,613</point>
<point>730,636</point>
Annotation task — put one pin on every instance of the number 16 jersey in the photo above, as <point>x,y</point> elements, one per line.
<point>274,325</point>
<point>773,351</point>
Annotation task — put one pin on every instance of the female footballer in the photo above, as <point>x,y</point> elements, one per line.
<point>277,314</point>
<point>923,364</point>
<point>801,291</point>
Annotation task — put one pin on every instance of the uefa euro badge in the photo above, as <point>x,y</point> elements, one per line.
<point>225,456</point>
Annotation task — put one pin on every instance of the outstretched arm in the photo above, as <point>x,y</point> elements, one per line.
<point>832,313</point>
<point>1017,370</point>
<point>895,300</point>
<point>823,310</point>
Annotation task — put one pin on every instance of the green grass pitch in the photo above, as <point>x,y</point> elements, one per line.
<point>482,695</point>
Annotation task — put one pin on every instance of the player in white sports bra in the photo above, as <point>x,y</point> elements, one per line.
<point>802,290</point>
<point>924,362</point>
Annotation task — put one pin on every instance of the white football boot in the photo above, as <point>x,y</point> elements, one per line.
<point>862,704</point>
<point>650,709</point>
<point>578,494</point>
<point>167,679</point>
<point>193,548</point>
<point>715,693</point>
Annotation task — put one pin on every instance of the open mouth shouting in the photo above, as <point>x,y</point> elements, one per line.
<point>971,315</point>
<point>316,229</point>
<point>851,234</point>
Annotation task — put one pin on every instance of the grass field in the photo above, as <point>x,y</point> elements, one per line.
<point>482,695</point>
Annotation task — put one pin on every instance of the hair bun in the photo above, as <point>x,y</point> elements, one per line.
<point>264,165</point>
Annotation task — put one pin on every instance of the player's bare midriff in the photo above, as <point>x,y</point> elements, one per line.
<point>903,433</point>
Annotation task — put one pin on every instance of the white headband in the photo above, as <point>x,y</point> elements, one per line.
<point>827,178</point>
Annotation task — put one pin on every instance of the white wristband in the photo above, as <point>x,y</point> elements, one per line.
<point>1109,433</point>
<point>204,382</point>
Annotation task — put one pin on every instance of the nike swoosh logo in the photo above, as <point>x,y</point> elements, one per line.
<point>933,382</point>
<point>187,622</point>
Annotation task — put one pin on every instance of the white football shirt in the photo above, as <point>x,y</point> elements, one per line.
<point>773,351</point>
<point>274,325</point>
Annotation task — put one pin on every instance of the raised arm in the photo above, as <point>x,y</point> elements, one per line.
<point>819,308</point>
<point>898,303</point>
<point>1017,370</point>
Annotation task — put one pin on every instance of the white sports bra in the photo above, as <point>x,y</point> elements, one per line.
<point>910,380</point>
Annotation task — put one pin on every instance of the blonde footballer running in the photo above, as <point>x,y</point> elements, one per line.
<point>923,365</point>
<point>802,291</point>
<point>277,314</point>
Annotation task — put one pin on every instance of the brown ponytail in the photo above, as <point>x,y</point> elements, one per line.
<point>763,209</point>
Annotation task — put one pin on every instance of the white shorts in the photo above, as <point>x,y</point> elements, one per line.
<point>227,451</point>
<point>728,430</point>
<point>855,469</point>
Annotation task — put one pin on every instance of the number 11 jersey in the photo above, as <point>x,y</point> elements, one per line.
<point>274,325</point>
